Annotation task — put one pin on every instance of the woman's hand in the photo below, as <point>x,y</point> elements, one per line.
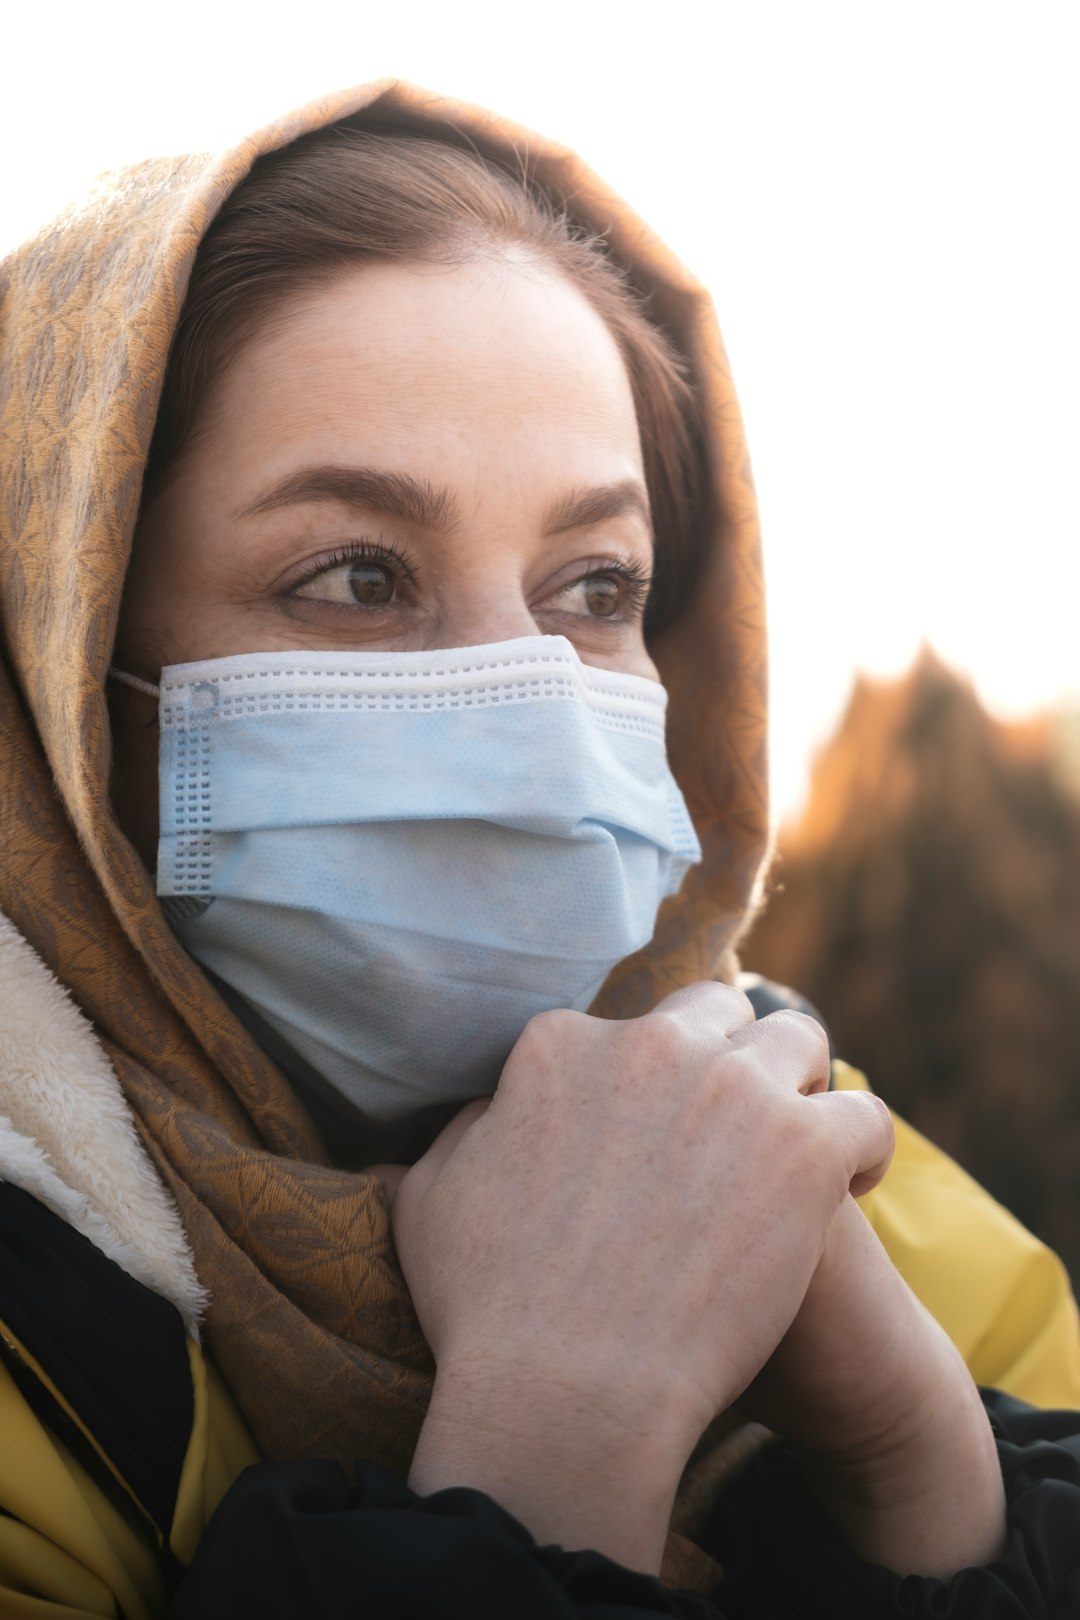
<point>606,1255</point>
<point>892,1432</point>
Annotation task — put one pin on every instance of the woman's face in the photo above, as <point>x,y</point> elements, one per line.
<point>409,457</point>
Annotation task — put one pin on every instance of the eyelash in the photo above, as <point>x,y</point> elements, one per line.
<point>634,575</point>
<point>636,578</point>
<point>387,552</point>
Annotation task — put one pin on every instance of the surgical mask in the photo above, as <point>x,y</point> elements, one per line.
<point>396,859</point>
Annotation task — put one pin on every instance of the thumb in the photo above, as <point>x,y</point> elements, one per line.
<point>427,1167</point>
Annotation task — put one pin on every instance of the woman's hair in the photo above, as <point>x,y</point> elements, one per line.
<point>347,196</point>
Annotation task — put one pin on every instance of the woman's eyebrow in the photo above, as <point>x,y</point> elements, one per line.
<point>582,507</point>
<point>399,495</point>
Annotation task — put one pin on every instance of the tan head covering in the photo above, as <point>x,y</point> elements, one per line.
<point>310,1322</point>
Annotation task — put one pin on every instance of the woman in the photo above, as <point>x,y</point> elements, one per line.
<point>427,520</point>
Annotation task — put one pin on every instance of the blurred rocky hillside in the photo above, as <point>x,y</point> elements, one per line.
<point>928,902</point>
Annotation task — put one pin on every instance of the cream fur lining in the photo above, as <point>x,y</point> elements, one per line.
<point>67,1136</point>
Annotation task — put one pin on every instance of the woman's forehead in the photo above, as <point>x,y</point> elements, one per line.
<point>395,326</point>
<point>482,369</point>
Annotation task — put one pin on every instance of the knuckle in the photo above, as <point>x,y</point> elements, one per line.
<point>862,1132</point>
<point>709,994</point>
<point>543,1047</point>
<point>730,1000</point>
<point>702,1015</point>
<point>792,1046</point>
<point>790,1024</point>
<point>556,1024</point>
<point>883,1119</point>
<point>806,1025</point>
<point>731,1003</point>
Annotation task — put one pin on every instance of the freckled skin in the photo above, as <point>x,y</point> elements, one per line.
<point>494,380</point>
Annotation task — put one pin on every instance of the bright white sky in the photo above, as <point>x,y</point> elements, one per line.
<point>884,198</point>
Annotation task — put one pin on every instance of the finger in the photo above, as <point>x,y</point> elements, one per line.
<point>710,1011</point>
<point>862,1127</point>
<point>424,1171</point>
<point>793,1046</point>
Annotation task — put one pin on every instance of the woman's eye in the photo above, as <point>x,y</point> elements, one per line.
<point>608,595</point>
<point>354,582</point>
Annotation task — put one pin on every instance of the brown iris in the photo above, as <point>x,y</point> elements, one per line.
<point>371,583</point>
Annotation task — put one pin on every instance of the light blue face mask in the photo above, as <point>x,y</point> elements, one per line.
<point>396,859</point>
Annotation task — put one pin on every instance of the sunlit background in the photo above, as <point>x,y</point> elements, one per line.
<point>883,199</point>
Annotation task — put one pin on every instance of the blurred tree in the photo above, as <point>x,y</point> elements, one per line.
<point>929,903</point>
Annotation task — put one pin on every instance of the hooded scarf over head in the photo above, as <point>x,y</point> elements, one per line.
<point>309,1320</point>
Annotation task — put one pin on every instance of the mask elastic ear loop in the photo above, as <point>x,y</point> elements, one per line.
<point>134,681</point>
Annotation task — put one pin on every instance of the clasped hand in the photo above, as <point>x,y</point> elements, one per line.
<point>649,1221</point>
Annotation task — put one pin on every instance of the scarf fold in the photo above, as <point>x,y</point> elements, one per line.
<point>309,1320</point>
